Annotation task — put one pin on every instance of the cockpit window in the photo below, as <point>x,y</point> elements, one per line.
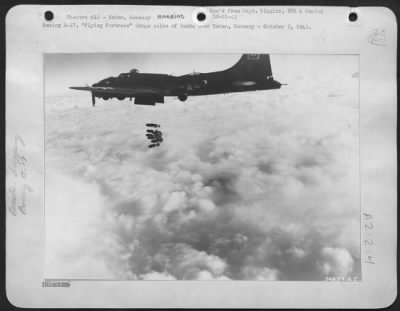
<point>124,75</point>
<point>134,70</point>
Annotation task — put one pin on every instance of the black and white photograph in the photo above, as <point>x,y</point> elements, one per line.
<point>201,157</point>
<point>202,166</point>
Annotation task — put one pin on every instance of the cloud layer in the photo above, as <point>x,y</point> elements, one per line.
<point>249,186</point>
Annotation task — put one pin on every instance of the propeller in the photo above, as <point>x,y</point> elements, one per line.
<point>93,97</point>
<point>86,88</point>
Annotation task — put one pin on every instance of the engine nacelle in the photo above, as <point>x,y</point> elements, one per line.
<point>182,97</point>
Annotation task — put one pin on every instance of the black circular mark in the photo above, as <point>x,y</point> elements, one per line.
<point>48,16</point>
<point>353,17</point>
<point>201,16</point>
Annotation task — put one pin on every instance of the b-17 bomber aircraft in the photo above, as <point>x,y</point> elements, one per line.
<point>251,73</point>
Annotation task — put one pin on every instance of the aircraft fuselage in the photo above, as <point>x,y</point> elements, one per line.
<point>251,73</point>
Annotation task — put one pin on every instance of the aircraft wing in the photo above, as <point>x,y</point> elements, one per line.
<point>136,91</point>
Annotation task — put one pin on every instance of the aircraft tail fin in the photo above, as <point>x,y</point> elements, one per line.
<point>253,65</point>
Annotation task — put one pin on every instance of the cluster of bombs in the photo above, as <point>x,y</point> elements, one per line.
<point>154,135</point>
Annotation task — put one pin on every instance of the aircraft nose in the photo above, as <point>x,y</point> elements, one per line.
<point>100,83</point>
<point>104,83</point>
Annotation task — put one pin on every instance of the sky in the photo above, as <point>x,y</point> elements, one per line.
<point>64,70</point>
<point>246,186</point>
